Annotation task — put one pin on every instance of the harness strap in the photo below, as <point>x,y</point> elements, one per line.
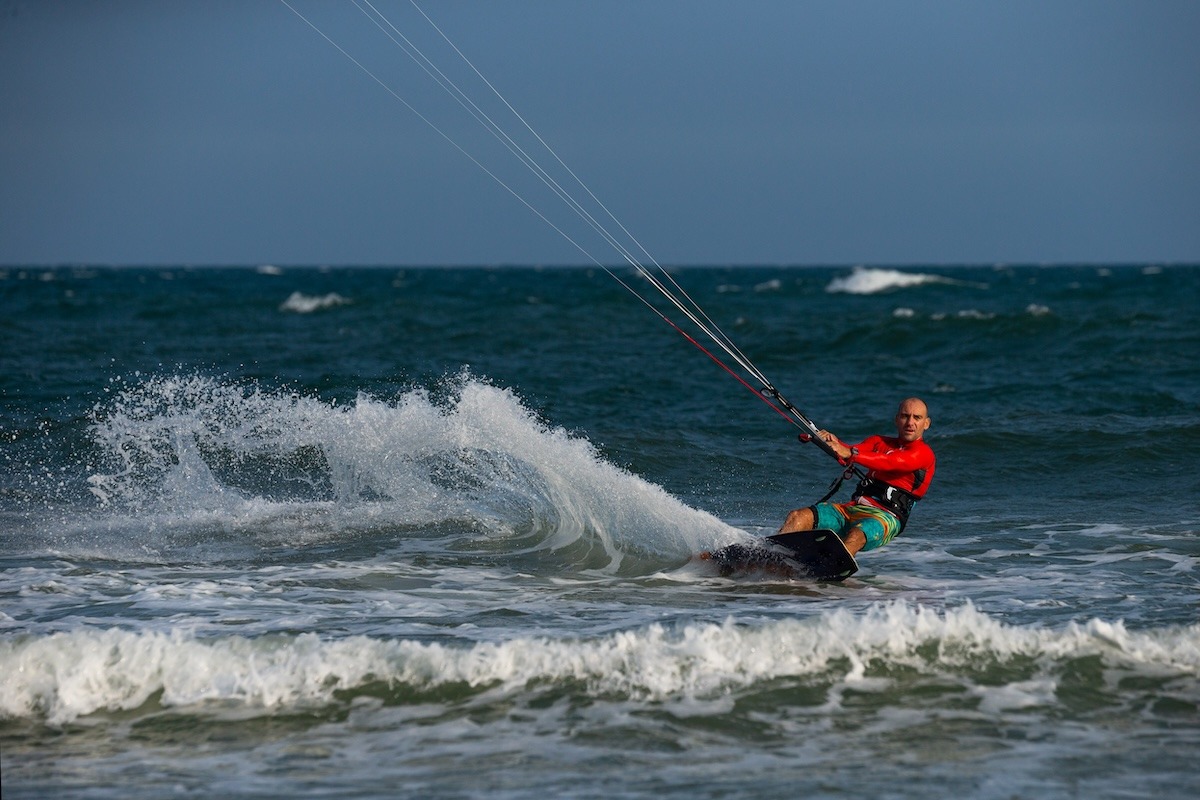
<point>893,498</point>
<point>833,487</point>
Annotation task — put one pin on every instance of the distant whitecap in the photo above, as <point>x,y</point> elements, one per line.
<point>863,280</point>
<point>306,304</point>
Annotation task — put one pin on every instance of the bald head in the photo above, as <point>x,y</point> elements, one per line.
<point>912,419</point>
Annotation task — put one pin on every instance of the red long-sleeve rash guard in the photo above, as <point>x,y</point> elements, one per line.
<point>908,466</point>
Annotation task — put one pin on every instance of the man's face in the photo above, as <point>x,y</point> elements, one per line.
<point>912,420</point>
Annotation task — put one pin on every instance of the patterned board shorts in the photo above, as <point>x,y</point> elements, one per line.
<point>877,525</point>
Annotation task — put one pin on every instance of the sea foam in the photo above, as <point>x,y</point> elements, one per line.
<point>60,677</point>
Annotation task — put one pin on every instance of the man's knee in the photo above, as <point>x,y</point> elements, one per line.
<point>801,519</point>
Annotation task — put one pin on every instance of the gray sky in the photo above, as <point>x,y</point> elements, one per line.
<point>732,132</point>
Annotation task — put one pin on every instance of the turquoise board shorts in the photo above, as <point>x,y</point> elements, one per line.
<point>877,525</point>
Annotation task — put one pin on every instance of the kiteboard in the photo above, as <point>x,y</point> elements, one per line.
<point>815,555</point>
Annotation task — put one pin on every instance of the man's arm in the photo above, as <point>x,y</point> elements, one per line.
<point>909,459</point>
<point>838,446</point>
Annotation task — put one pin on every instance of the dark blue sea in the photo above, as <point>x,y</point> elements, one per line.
<point>383,532</point>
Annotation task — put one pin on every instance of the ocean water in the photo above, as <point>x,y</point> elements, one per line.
<point>374,532</point>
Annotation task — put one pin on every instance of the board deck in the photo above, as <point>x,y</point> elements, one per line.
<point>816,555</point>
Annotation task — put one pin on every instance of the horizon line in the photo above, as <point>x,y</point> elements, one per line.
<point>568,266</point>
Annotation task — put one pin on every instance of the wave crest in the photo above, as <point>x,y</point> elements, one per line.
<point>301,303</point>
<point>63,676</point>
<point>862,280</point>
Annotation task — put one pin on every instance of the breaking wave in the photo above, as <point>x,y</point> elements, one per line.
<point>897,646</point>
<point>306,304</point>
<point>875,281</point>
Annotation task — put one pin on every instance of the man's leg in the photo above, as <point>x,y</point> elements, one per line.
<point>804,519</point>
<point>854,540</point>
<point>801,519</point>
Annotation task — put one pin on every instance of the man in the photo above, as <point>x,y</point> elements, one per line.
<point>900,469</point>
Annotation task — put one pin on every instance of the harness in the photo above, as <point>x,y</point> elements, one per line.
<point>893,498</point>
